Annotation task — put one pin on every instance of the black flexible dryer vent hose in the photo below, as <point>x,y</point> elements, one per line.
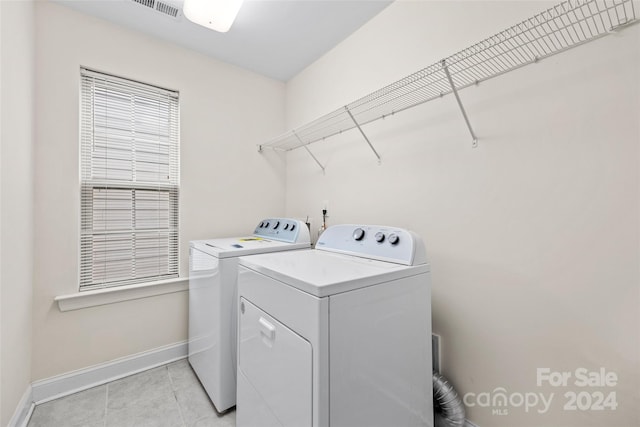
<point>448,407</point>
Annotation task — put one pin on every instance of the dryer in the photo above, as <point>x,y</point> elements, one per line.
<point>212,293</point>
<point>336,336</point>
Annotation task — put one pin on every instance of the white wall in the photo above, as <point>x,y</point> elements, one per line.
<point>533,237</point>
<point>16,199</point>
<point>225,112</point>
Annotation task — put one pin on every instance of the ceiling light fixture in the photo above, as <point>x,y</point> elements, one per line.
<point>217,15</point>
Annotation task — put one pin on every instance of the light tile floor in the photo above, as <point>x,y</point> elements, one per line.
<point>167,396</point>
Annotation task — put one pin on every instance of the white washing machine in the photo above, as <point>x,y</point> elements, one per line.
<point>213,275</point>
<point>337,336</point>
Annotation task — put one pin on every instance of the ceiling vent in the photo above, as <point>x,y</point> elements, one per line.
<point>161,7</point>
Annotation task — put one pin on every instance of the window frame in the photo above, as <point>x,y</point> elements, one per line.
<point>154,202</point>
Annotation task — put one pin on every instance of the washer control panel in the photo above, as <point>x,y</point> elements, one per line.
<point>283,229</point>
<point>374,241</point>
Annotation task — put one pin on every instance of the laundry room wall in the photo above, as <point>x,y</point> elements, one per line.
<point>225,111</point>
<point>16,201</point>
<point>533,236</point>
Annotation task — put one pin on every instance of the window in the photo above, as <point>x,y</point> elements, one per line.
<point>129,182</point>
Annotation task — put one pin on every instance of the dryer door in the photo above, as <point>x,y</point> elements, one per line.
<point>274,372</point>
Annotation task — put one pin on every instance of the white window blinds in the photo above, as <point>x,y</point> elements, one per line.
<point>130,182</point>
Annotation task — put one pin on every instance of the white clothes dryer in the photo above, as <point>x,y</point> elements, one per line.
<point>212,293</point>
<point>337,336</point>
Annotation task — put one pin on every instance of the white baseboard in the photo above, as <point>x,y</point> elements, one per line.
<point>82,379</point>
<point>23,411</point>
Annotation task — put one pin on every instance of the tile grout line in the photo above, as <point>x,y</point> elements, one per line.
<point>173,390</point>
<point>106,404</point>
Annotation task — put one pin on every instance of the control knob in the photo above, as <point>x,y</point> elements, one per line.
<point>379,237</point>
<point>358,234</point>
<point>394,239</point>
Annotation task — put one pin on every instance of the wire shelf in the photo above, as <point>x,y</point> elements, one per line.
<point>566,25</point>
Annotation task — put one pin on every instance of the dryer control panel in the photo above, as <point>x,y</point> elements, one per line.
<point>283,229</point>
<point>379,242</point>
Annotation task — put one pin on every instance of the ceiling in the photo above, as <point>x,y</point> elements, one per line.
<point>275,38</point>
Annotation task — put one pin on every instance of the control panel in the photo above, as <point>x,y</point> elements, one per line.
<point>374,241</point>
<point>283,229</point>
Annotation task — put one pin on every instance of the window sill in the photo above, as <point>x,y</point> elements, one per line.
<point>118,294</point>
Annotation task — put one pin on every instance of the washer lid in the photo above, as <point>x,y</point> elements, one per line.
<point>238,246</point>
<point>323,273</point>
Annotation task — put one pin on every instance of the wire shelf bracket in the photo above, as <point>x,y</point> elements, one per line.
<point>309,151</point>
<point>567,25</point>
<point>474,142</point>
<point>355,122</point>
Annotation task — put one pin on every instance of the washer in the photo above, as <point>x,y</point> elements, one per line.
<point>339,335</point>
<point>212,294</point>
